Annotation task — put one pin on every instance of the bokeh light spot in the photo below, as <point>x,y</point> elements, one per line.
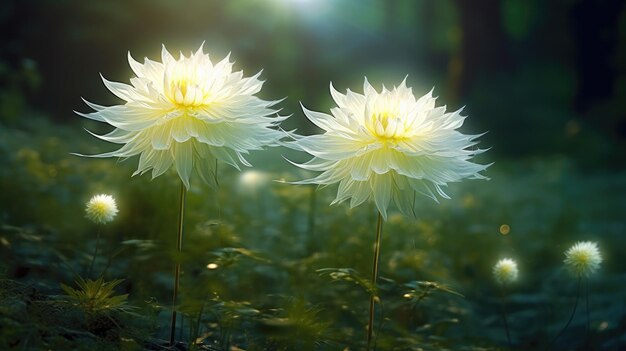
<point>505,229</point>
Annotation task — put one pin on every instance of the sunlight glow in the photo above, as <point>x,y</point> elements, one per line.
<point>251,180</point>
<point>505,229</point>
<point>302,4</point>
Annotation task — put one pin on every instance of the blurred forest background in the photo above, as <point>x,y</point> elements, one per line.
<point>546,79</point>
<point>542,78</point>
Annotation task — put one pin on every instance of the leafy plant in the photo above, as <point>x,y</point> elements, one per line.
<point>347,275</point>
<point>419,290</point>
<point>97,297</point>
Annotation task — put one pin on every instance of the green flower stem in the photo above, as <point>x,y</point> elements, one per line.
<point>109,262</point>
<point>573,312</point>
<point>95,253</point>
<point>312,207</point>
<point>587,306</point>
<point>179,248</point>
<point>196,329</point>
<point>370,323</point>
<point>504,320</point>
<point>312,240</point>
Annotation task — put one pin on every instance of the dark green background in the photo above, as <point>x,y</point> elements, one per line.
<point>540,77</point>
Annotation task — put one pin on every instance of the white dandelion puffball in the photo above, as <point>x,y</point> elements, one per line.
<point>583,259</point>
<point>101,209</point>
<point>505,271</point>
<point>387,146</point>
<point>187,113</point>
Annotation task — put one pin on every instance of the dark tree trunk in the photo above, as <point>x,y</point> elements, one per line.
<point>484,46</point>
<point>595,28</point>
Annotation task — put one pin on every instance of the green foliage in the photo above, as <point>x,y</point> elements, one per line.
<point>260,274</point>
<point>296,326</point>
<point>348,275</point>
<point>419,290</point>
<point>276,268</point>
<point>96,297</point>
<point>33,319</point>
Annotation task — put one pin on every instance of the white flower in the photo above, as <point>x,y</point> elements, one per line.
<point>101,209</point>
<point>387,146</point>
<point>583,259</point>
<point>505,271</point>
<point>187,113</point>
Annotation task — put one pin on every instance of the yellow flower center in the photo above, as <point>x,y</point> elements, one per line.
<point>386,126</point>
<point>505,271</point>
<point>581,258</point>
<point>187,93</point>
<point>185,84</point>
<point>100,208</point>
